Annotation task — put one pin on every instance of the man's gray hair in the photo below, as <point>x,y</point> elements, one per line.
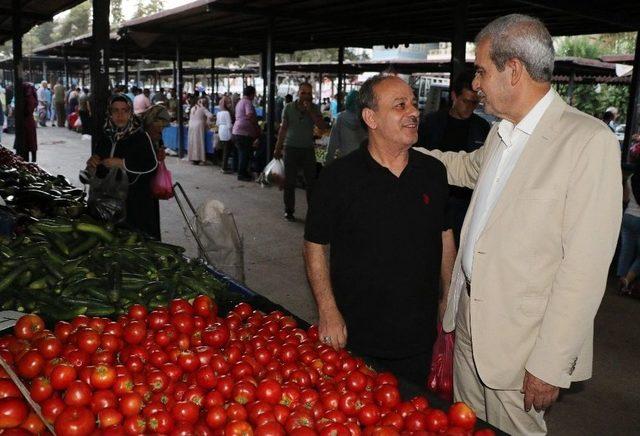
<point>521,37</point>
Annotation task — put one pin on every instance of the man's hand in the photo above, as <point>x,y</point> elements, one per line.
<point>332,329</point>
<point>277,153</point>
<point>538,393</point>
<point>93,161</point>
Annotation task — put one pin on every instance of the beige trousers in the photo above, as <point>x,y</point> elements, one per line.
<point>503,409</point>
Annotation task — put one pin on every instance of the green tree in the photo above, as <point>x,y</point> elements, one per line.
<point>77,22</point>
<point>592,98</point>
<point>148,7</point>
<point>116,14</point>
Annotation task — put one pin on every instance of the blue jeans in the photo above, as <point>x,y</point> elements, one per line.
<point>629,257</point>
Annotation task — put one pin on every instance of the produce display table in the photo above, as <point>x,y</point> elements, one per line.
<point>43,269</point>
<point>265,305</point>
<point>170,139</point>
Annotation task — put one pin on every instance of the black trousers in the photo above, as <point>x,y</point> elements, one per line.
<point>243,147</point>
<point>85,119</point>
<point>227,150</point>
<point>296,159</point>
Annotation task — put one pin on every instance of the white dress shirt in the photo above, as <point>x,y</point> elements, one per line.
<point>514,138</point>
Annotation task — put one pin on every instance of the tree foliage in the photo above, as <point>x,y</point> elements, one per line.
<point>148,7</point>
<point>116,13</point>
<point>591,98</point>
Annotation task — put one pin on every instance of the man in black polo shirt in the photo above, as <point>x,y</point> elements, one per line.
<point>382,212</point>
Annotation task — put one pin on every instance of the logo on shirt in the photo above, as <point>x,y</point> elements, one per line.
<point>425,199</point>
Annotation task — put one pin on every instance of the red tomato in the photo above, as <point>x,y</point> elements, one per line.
<point>49,347</point>
<point>157,380</point>
<point>436,420</point>
<point>183,322</point>
<point>135,332</point>
<point>269,391</point>
<point>216,417</point>
<point>393,419</point>
<point>78,394</point>
<point>244,392</point>
<point>420,403</point>
<point>33,424</point>
<point>13,411</point>
<point>30,365</point>
<point>103,399</point>
<point>369,414</point>
<point>103,377</point>
<point>461,415</point>
<point>75,421</point>
<point>131,404</point>
<point>27,326</point>
<point>9,389</point>
<point>109,417</point>
<point>160,422</point>
<point>238,428</point>
<point>188,361</point>
<point>88,340</point>
<point>158,319</point>
<point>137,311</point>
<point>387,396</point>
<point>40,389</point>
<point>236,412</point>
<point>135,425</point>
<point>356,381</point>
<point>204,306</point>
<point>110,342</point>
<point>334,429</point>
<point>206,377</point>
<point>216,335</point>
<point>270,429</point>
<point>51,408</point>
<point>416,421</point>
<point>62,375</point>
<point>185,411</point>
<point>179,305</point>
<point>63,330</point>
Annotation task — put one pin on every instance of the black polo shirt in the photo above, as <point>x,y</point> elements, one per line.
<point>385,237</point>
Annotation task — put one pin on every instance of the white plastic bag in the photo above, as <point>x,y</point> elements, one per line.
<point>274,172</point>
<point>216,228</point>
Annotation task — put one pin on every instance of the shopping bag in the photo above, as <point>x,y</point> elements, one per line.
<point>440,379</point>
<point>274,172</point>
<point>162,183</point>
<point>108,195</point>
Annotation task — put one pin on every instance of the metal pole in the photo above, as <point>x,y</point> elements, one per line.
<point>179,97</point>
<point>99,68</point>
<point>263,72</point>
<point>271,93</point>
<point>340,80</point>
<point>634,97</point>
<point>66,68</point>
<point>459,42</point>
<point>213,75</point>
<point>175,79</point>
<point>19,144</point>
<point>125,66</point>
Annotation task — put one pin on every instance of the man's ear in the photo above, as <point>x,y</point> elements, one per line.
<point>517,71</point>
<point>369,117</point>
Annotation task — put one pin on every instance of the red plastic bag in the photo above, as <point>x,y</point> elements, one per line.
<point>162,183</point>
<point>440,378</point>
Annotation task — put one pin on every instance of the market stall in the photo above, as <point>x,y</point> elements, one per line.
<point>170,139</point>
<point>125,334</point>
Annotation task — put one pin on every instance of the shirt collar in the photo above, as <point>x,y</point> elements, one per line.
<point>527,125</point>
<point>373,164</point>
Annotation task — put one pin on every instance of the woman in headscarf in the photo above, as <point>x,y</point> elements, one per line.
<point>347,133</point>
<point>124,144</point>
<point>197,126</point>
<point>225,125</point>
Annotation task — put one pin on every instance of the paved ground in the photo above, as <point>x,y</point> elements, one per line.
<point>605,405</point>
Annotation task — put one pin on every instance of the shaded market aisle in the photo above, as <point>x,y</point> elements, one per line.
<point>274,268</point>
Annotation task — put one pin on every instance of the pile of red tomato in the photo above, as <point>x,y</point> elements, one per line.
<point>183,370</point>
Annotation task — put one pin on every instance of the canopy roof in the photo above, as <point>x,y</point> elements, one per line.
<point>33,12</point>
<point>229,28</point>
